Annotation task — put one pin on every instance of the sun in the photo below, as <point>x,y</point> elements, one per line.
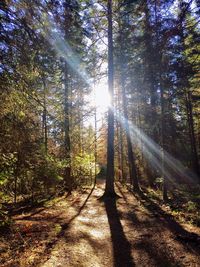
<point>101,97</point>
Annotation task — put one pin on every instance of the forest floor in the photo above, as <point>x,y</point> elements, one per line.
<point>80,230</point>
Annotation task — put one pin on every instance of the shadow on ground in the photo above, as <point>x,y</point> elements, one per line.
<point>161,237</point>
<point>190,239</point>
<point>121,246</point>
<point>149,246</point>
<point>130,231</point>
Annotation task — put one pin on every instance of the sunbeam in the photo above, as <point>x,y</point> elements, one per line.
<point>63,49</point>
<point>173,168</point>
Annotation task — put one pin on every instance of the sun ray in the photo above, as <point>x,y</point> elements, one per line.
<point>63,49</point>
<point>173,170</point>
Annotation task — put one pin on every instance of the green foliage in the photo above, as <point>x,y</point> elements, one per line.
<point>48,171</point>
<point>7,164</point>
<point>83,165</point>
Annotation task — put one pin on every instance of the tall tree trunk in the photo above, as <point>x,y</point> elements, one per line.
<point>165,195</point>
<point>122,155</point>
<point>67,147</point>
<point>118,152</point>
<point>150,74</point>
<point>16,175</point>
<point>119,145</point>
<point>195,163</point>
<point>109,189</point>
<point>80,126</point>
<point>183,12</point>
<point>160,71</point>
<point>15,187</point>
<point>95,145</point>
<point>131,157</point>
<point>44,126</point>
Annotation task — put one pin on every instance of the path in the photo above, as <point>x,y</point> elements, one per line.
<point>84,232</point>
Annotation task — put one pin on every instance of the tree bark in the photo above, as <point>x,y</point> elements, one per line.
<point>67,146</point>
<point>45,137</point>
<point>131,156</point>
<point>95,146</point>
<point>150,74</point>
<point>109,189</point>
<point>195,163</point>
<point>165,195</point>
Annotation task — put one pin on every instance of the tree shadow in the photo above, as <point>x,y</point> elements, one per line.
<point>189,239</point>
<point>46,228</point>
<point>130,215</point>
<point>25,207</point>
<point>66,225</point>
<point>31,209</point>
<point>159,256</point>
<point>121,246</point>
<point>33,213</point>
<point>158,250</point>
<point>52,243</point>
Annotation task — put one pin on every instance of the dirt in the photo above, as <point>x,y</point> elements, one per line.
<point>80,230</point>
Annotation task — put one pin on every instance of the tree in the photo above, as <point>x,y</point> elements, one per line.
<point>109,189</point>
<point>123,64</point>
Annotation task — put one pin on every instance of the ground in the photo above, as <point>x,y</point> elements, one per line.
<point>80,230</point>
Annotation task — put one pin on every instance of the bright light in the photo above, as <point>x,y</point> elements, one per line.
<point>99,100</point>
<point>173,168</point>
<point>101,97</point>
